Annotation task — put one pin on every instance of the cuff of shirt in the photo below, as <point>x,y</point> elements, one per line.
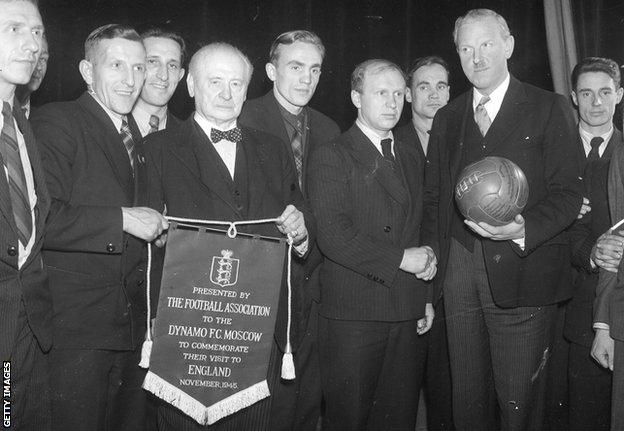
<point>520,242</point>
<point>302,248</point>
<point>600,325</point>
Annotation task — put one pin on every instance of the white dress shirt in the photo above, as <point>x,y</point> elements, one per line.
<point>225,148</point>
<point>586,138</point>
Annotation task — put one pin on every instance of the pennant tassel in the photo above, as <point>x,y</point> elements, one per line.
<point>146,349</point>
<point>288,364</point>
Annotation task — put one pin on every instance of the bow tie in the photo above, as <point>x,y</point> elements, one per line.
<point>232,135</point>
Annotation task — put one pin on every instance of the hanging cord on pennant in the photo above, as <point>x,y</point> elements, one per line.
<point>288,364</point>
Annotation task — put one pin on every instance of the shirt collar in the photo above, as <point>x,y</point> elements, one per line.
<point>374,136</point>
<point>115,117</point>
<point>142,118</point>
<point>586,138</point>
<point>496,98</point>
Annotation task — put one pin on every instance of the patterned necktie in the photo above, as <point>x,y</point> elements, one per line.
<point>296,144</point>
<point>232,135</point>
<point>481,116</point>
<point>593,153</point>
<point>17,181</point>
<point>126,137</point>
<point>153,123</point>
<point>386,150</point>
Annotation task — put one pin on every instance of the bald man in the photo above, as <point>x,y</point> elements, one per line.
<point>231,173</point>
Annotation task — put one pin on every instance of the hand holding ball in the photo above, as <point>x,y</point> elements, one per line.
<point>493,190</point>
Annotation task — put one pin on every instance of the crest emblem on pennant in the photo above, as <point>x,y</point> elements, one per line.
<point>224,269</point>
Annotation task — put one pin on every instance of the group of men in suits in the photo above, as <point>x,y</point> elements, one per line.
<point>377,237</point>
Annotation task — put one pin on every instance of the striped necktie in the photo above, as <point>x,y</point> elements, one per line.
<point>17,181</point>
<point>126,137</point>
<point>481,116</point>
<point>297,148</point>
<point>154,121</point>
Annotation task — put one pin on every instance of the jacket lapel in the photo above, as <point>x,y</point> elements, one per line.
<point>107,137</point>
<point>513,107</point>
<point>255,174</point>
<point>365,152</point>
<point>193,152</point>
<point>457,133</point>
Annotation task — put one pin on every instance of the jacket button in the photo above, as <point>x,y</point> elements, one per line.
<point>12,250</point>
<point>110,248</point>
<point>387,229</point>
<point>496,258</point>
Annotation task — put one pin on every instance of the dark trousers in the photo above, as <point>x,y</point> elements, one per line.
<point>96,390</point>
<point>27,372</point>
<point>498,355</point>
<point>589,391</point>
<point>297,403</point>
<point>438,391</point>
<point>371,373</point>
<point>617,394</point>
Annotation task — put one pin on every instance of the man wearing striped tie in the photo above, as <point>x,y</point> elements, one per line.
<point>96,238</point>
<point>25,306</point>
<point>165,53</point>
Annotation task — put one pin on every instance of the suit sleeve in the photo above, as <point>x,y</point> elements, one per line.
<point>339,237</point>
<point>70,227</point>
<point>582,240</point>
<point>564,188</point>
<point>431,193</point>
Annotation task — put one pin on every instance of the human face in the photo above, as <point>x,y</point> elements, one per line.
<point>163,70</point>
<point>429,91</point>
<point>596,96</point>
<point>21,34</point>
<point>295,75</point>
<point>40,69</point>
<point>381,101</point>
<point>483,53</point>
<point>116,73</point>
<point>219,86</point>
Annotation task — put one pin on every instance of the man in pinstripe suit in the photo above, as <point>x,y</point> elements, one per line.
<point>25,303</point>
<point>366,191</point>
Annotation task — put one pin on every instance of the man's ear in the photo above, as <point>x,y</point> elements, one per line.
<point>355,98</point>
<point>408,95</point>
<point>86,70</point>
<point>190,85</point>
<point>574,99</point>
<point>271,71</point>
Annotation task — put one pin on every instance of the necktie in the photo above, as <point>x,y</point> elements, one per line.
<point>386,150</point>
<point>17,180</point>
<point>126,137</point>
<point>232,135</point>
<point>481,116</point>
<point>153,123</point>
<point>593,153</point>
<point>297,148</point>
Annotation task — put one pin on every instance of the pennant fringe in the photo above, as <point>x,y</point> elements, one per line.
<point>195,409</point>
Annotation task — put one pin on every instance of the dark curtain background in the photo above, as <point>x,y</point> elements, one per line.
<point>399,30</point>
<point>600,32</point>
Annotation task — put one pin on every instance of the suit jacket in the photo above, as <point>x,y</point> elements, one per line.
<point>96,270</point>
<point>583,235</point>
<point>264,114</point>
<point>407,134</point>
<point>535,129</point>
<point>609,302</point>
<point>183,159</point>
<point>367,215</point>
<point>27,283</point>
